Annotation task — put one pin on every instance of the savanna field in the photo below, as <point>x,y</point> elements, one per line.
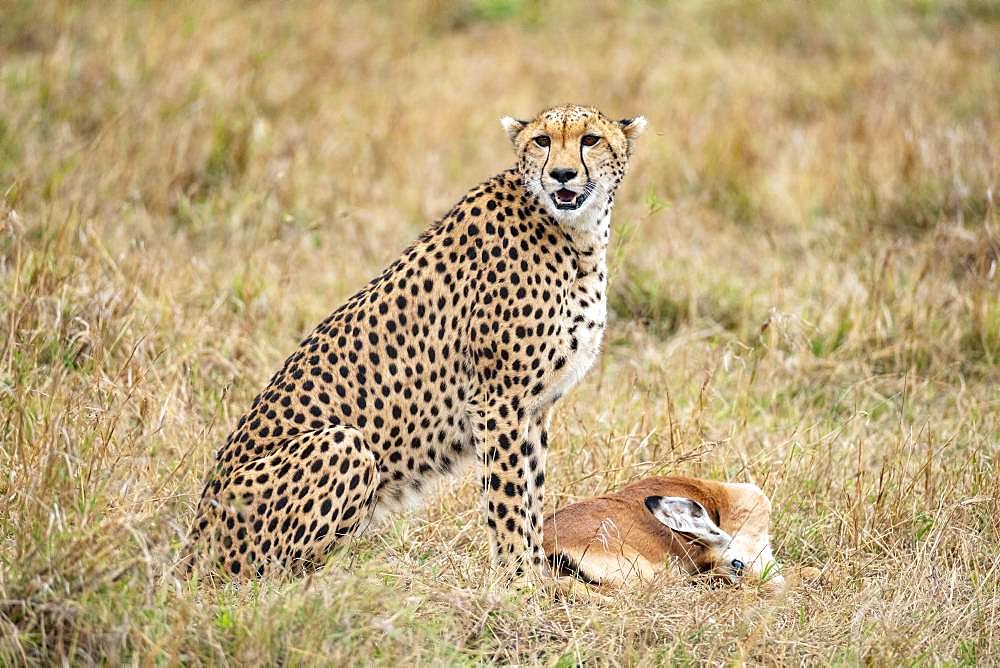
<point>804,294</point>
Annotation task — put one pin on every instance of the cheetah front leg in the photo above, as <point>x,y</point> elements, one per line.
<point>513,455</point>
<point>535,449</point>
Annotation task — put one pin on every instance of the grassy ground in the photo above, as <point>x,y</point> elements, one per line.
<point>805,294</point>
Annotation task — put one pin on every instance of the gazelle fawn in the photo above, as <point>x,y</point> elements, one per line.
<point>700,526</point>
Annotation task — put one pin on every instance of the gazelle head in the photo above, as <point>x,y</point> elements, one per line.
<point>708,548</point>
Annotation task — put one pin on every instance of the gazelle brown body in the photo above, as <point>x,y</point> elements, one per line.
<point>702,526</point>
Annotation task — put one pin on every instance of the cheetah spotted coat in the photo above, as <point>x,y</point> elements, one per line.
<point>456,352</point>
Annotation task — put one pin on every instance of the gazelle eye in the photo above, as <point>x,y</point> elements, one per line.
<point>737,565</point>
<point>542,141</point>
<point>590,140</point>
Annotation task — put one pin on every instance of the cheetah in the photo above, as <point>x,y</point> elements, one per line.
<point>455,353</point>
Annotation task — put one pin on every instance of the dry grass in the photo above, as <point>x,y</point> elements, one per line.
<point>805,294</point>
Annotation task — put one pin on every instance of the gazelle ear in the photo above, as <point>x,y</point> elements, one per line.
<point>687,516</point>
<point>512,126</point>
<point>633,128</point>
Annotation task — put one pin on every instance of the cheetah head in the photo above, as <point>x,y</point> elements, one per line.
<point>573,158</point>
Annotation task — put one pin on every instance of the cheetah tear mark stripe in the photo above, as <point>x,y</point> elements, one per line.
<point>545,164</point>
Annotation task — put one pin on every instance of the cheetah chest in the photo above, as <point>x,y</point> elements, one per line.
<point>585,320</point>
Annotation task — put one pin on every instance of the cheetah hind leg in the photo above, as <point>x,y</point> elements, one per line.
<point>286,511</point>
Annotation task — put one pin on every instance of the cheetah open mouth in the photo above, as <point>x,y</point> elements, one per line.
<point>564,198</point>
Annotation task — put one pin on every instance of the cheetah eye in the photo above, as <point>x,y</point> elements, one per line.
<point>590,140</point>
<point>542,141</point>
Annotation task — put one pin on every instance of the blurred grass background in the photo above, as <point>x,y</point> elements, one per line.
<point>804,294</point>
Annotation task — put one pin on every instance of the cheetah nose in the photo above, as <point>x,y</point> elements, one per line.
<point>562,174</point>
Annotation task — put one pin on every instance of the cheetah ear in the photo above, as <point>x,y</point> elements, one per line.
<point>512,126</point>
<point>632,127</point>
